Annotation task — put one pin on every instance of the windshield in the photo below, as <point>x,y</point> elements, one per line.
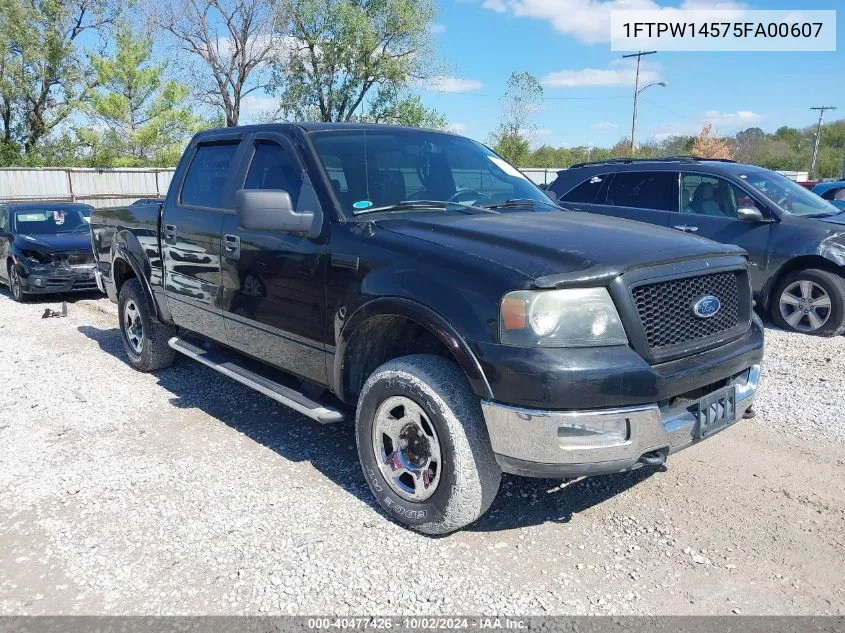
<point>790,196</point>
<point>41,221</point>
<point>374,169</point>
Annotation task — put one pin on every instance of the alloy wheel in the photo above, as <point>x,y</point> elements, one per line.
<point>132,326</point>
<point>805,305</point>
<point>407,449</point>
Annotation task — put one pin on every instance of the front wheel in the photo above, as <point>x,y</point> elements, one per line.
<point>810,301</point>
<point>423,444</point>
<point>16,285</point>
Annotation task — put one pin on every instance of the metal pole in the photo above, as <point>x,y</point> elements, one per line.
<point>821,110</point>
<point>639,55</point>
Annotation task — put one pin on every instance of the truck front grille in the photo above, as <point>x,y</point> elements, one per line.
<point>666,312</point>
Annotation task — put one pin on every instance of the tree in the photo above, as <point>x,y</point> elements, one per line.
<point>231,40</point>
<point>708,145</point>
<point>408,111</point>
<point>45,77</point>
<point>142,118</point>
<point>520,103</point>
<point>341,52</point>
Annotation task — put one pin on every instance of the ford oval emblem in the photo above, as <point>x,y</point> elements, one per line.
<point>706,307</point>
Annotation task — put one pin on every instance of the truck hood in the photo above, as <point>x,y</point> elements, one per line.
<point>554,248</point>
<point>55,243</point>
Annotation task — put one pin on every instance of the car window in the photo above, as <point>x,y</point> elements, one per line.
<point>271,168</point>
<point>709,195</point>
<point>644,190</point>
<point>587,191</point>
<point>4,222</point>
<point>203,185</point>
<point>834,193</point>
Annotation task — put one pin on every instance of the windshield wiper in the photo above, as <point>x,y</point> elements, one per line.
<point>405,205</point>
<point>519,203</point>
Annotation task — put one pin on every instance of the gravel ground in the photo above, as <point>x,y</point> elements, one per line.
<point>185,493</point>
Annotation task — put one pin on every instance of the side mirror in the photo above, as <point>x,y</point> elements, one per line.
<point>750,214</point>
<point>272,210</point>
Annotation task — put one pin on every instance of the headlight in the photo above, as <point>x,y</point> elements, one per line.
<point>572,317</point>
<point>36,257</point>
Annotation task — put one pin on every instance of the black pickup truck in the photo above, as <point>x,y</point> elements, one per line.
<point>415,281</point>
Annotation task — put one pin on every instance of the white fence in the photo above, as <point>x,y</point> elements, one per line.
<point>119,187</point>
<point>97,187</point>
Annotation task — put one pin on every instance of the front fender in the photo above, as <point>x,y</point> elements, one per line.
<point>424,316</point>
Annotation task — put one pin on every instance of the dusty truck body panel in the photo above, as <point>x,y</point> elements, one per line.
<point>368,250</point>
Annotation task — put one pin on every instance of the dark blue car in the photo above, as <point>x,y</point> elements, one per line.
<point>795,240</point>
<point>45,247</point>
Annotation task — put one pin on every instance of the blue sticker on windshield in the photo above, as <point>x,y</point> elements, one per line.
<point>362,204</point>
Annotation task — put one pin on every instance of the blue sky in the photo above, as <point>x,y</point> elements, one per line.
<point>560,41</point>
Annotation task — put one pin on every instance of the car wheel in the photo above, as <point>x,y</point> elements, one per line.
<point>16,285</point>
<point>810,301</point>
<point>423,444</point>
<point>144,339</point>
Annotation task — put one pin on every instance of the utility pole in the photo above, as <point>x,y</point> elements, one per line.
<point>821,110</point>
<point>639,57</point>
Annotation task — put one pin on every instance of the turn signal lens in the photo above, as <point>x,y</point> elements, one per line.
<point>514,313</point>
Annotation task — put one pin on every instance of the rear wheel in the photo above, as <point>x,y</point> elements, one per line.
<point>423,444</point>
<point>811,301</point>
<point>144,339</point>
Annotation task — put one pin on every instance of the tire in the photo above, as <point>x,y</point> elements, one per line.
<point>467,476</point>
<point>144,339</point>
<point>15,286</point>
<point>810,286</point>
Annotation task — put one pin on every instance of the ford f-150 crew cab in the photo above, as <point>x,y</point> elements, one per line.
<point>416,282</point>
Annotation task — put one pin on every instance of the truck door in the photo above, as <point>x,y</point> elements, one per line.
<point>275,283</point>
<point>191,230</point>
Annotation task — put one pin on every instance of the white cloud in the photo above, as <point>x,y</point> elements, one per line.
<point>605,125</point>
<point>601,77</point>
<point>457,128</point>
<point>740,117</point>
<point>437,27</point>
<point>453,84</point>
<point>589,20</point>
<point>256,108</point>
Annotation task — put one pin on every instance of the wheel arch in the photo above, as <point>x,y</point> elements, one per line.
<point>798,263</point>
<point>125,266</point>
<point>356,355</point>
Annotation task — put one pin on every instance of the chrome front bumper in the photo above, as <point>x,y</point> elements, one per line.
<point>580,443</point>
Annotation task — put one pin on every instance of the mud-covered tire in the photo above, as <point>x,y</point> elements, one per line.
<point>154,352</point>
<point>822,281</point>
<point>469,476</point>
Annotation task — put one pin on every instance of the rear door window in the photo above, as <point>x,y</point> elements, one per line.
<point>206,177</point>
<point>644,190</point>
<point>587,192</point>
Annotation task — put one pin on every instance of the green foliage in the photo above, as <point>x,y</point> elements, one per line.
<point>140,118</point>
<point>44,74</point>
<point>787,149</point>
<point>341,52</point>
<point>408,111</point>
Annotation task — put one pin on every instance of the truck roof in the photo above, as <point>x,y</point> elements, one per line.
<point>319,126</point>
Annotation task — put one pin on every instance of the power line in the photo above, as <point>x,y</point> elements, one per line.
<point>821,110</point>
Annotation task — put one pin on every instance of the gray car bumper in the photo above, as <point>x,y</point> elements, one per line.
<point>567,444</point>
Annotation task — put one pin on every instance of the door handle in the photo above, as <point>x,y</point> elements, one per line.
<point>169,232</point>
<point>686,228</point>
<point>232,246</point>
